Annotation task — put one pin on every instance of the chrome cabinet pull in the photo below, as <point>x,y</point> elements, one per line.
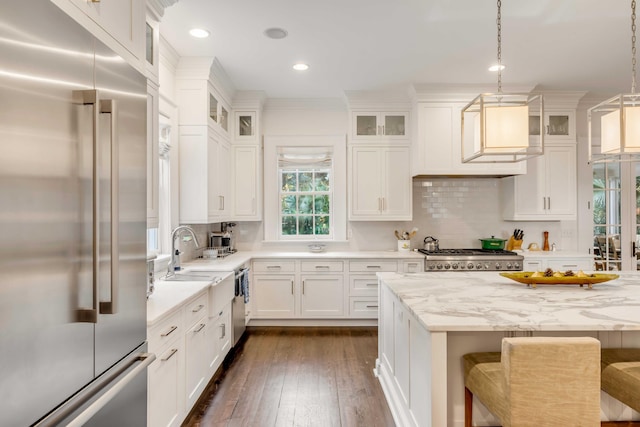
<point>201,327</point>
<point>373,266</point>
<point>292,287</point>
<point>372,284</point>
<point>323,266</point>
<point>276,267</point>
<point>372,306</point>
<point>173,351</point>
<point>197,309</point>
<point>223,330</point>
<point>169,332</point>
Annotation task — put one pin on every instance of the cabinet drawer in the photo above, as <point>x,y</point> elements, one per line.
<point>413,266</point>
<point>165,332</point>
<point>322,266</point>
<point>274,266</point>
<point>373,266</point>
<point>194,310</point>
<point>571,264</point>
<point>363,285</point>
<point>363,307</point>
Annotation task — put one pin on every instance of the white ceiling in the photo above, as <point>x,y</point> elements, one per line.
<point>377,44</point>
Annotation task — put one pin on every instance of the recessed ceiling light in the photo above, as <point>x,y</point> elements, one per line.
<point>276,33</point>
<point>497,67</point>
<point>300,67</point>
<point>199,33</point>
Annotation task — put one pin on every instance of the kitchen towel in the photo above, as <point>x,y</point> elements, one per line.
<point>244,284</point>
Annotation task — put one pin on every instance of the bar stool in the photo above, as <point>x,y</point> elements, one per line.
<point>537,381</point>
<point>621,375</point>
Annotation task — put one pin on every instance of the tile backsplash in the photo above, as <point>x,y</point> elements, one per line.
<point>459,211</point>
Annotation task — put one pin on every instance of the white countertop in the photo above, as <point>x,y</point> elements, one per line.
<point>169,296</point>
<point>486,301</point>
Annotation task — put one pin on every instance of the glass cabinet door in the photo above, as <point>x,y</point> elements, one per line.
<point>394,125</point>
<point>224,118</point>
<point>213,108</point>
<point>558,125</point>
<point>245,122</point>
<point>367,125</point>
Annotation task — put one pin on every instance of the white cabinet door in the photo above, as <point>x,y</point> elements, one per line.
<point>152,156</point>
<point>396,195</point>
<point>371,125</point>
<point>246,183</point>
<point>273,296</point>
<point>165,380</point>
<point>196,181</point>
<point>322,296</point>
<point>196,363</point>
<point>387,329</point>
<point>366,182</point>
<point>548,191</point>
<point>212,193</point>
<point>561,180</point>
<point>122,20</point>
<point>223,163</point>
<point>380,183</point>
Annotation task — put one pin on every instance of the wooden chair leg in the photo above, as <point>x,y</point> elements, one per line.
<point>468,407</point>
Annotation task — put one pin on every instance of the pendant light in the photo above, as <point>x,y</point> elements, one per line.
<point>614,124</point>
<point>495,126</point>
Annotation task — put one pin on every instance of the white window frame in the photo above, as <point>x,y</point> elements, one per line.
<point>337,144</point>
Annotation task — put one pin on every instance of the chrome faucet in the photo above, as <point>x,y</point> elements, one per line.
<point>175,260</point>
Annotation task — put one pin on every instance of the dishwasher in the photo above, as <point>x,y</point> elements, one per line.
<point>241,298</point>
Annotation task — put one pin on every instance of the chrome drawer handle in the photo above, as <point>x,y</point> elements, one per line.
<point>372,306</point>
<point>274,267</point>
<point>322,266</point>
<point>201,327</point>
<point>373,266</point>
<point>372,284</point>
<point>195,310</point>
<point>171,329</point>
<point>173,351</point>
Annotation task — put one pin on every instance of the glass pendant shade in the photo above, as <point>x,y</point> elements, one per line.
<point>614,129</point>
<point>496,128</point>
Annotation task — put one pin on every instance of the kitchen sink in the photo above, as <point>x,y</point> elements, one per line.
<point>193,276</point>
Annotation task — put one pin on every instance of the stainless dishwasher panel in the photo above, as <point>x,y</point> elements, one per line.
<point>238,307</point>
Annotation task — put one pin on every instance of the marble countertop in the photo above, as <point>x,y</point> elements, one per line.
<point>236,260</point>
<point>486,301</point>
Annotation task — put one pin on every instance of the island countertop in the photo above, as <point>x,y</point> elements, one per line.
<point>486,301</point>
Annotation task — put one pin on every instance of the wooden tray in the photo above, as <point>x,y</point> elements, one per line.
<point>590,280</point>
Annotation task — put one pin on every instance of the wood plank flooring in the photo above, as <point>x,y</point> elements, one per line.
<point>297,376</point>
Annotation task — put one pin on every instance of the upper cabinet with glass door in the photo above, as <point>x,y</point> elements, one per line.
<point>371,125</point>
<point>558,126</point>
<point>218,112</point>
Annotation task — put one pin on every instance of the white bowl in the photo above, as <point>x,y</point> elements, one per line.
<point>316,247</point>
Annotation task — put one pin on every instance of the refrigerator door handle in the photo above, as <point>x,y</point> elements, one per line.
<point>108,106</point>
<point>106,388</point>
<point>90,97</point>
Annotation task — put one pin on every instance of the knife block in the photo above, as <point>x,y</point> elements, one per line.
<point>513,244</point>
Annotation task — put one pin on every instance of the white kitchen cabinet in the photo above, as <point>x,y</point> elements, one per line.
<point>245,126</point>
<point>380,183</point>
<point>373,125</point>
<point>220,338</point>
<point>204,175</point>
<point>438,151</point>
<point>273,296</point>
<point>246,186</point>
<point>559,125</point>
<point>197,339</point>
<point>165,376</point>
<point>152,46</point>
<point>153,158</point>
<point>120,24</point>
<point>401,350</point>
<point>322,295</point>
<point>557,261</point>
<point>386,322</point>
<point>547,191</point>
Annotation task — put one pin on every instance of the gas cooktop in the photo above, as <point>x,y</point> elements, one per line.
<point>471,260</point>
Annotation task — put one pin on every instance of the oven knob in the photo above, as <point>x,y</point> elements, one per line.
<point>498,266</point>
<point>486,266</point>
<point>516,266</point>
<point>509,266</point>
<point>447,266</point>
<point>439,266</point>
<point>455,265</point>
<point>431,266</point>
<point>470,266</point>
<point>479,266</point>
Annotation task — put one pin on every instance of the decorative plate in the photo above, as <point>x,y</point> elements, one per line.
<point>589,279</point>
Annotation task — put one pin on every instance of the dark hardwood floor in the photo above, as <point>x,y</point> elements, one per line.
<point>297,377</point>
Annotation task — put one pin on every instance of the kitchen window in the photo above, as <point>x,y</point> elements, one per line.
<point>305,200</point>
<point>305,188</point>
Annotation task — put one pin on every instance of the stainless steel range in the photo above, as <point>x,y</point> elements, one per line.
<point>471,260</point>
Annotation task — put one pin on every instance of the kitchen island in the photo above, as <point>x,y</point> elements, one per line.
<point>427,321</point>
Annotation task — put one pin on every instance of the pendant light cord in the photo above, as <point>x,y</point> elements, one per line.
<point>499,24</point>
<point>633,46</point>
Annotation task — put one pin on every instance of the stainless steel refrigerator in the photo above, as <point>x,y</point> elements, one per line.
<point>72,225</point>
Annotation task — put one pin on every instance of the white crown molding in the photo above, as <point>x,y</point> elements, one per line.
<point>158,6</point>
<point>168,55</point>
<point>460,92</point>
<point>391,99</point>
<point>324,104</point>
<point>249,99</point>
<point>221,81</point>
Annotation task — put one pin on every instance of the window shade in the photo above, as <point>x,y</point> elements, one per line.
<point>300,157</point>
